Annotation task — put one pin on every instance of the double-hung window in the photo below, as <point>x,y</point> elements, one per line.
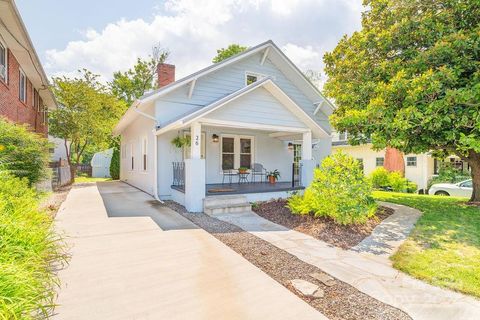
<point>132,157</point>
<point>379,161</point>
<point>22,87</point>
<point>411,161</point>
<point>3,62</point>
<point>144,153</point>
<point>237,151</point>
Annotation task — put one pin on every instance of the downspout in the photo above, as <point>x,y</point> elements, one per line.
<point>155,154</point>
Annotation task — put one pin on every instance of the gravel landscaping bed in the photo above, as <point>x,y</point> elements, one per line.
<point>324,229</point>
<point>339,301</point>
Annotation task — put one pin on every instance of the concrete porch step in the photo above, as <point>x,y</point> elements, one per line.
<point>225,204</point>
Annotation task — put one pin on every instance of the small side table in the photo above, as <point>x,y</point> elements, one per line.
<point>243,177</point>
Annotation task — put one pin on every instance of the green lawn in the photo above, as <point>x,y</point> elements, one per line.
<point>444,247</point>
<point>84,179</point>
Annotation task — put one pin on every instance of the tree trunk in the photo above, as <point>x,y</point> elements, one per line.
<point>474,162</point>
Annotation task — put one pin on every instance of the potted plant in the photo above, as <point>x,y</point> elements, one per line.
<point>181,142</point>
<point>273,176</point>
<point>242,170</point>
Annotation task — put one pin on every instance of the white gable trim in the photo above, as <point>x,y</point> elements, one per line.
<point>270,86</point>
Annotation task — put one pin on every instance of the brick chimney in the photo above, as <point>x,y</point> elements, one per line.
<point>394,161</point>
<point>165,73</point>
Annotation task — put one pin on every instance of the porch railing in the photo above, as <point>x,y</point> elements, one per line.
<point>296,174</point>
<point>178,174</point>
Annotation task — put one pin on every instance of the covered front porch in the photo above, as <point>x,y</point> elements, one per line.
<point>235,143</point>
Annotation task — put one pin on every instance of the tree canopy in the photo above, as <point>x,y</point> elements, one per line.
<point>134,82</point>
<point>227,52</point>
<point>410,79</point>
<point>86,115</point>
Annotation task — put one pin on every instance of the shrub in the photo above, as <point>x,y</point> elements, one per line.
<point>28,248</point>
<point>23,153</point>
<point>380,178</point>
<point>448,174</point>
<point>115,165</point>
<point>339,191</point>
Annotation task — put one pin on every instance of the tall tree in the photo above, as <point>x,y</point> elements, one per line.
<point>134,82</point>
<point>86,115</point>
<point>227,52</point>
<point>410,79</point>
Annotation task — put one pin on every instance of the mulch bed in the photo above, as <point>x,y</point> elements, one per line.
<point>322,228</point>
<point>341,301</point>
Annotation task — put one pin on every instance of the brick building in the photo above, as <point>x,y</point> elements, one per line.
<point>25,96</point>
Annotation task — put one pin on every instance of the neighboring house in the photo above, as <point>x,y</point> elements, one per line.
<point>58,152</point>
<point>255,107</point>
<point>101,163</point>
<point>418,168</point>
<point>25,96</point>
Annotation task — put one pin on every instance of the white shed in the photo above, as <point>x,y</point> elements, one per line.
<point>101,163</point>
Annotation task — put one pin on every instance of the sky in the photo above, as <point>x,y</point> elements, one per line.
<point>104,36</point>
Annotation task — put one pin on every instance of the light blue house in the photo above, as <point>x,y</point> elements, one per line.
<point>254,110</point>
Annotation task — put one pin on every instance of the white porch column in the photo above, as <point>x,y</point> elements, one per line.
<point>308,164</point>
<point>195,172</point>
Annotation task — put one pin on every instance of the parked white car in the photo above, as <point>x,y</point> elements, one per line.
<point>461,189</point>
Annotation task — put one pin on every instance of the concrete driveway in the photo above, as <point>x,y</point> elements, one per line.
<point>134,259</point>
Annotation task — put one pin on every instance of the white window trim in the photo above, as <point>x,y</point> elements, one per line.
<point>411,166</point>
<point>383,161</point>
<point>144,149</point>
<point>24,87</point>
<point>236,149</point>
<point>6,61</point>
<point>131,167</point>
<point>259,76</point>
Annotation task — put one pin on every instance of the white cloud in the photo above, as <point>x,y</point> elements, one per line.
<point>193,29</point>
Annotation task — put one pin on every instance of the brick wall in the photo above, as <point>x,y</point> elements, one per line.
<point>10,105</point>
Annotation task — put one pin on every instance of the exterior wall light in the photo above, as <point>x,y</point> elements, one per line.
<point>215,138</point>
<point>290,146</point>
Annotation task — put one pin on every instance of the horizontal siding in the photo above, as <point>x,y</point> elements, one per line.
<point>258,106</point>
<point>229,79</point>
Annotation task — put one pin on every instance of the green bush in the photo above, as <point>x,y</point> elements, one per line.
<point>448,174</point>
<point>339,191</point>
<point>115,165</point>
<point>23,153</point>
<point>28,250</point>
<point>381,178</point>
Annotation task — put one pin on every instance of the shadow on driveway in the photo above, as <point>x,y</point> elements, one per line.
<point>123,200</point>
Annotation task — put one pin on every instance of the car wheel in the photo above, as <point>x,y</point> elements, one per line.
<point>442,193</point>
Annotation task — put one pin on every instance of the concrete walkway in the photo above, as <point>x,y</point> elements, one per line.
<point>133,259</point>
<point>368,273</point>
<point>391,232</point>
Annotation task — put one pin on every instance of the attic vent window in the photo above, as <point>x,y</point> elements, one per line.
<point>251,77</point>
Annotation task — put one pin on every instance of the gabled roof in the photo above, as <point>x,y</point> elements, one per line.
<point>15,35</point>
<point>267,48</point>
<point>266,83</point>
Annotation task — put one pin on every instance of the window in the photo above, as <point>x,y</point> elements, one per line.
<point>3,62</point>
<point>379,161</point>
<point>132,157</point>
<point>35,100</point>
<point>22,87</point>
<point>411,161</point>
<point>237,151</point>
<point>251,77</point>
<point>467,184</point>
<point>144,153</point>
